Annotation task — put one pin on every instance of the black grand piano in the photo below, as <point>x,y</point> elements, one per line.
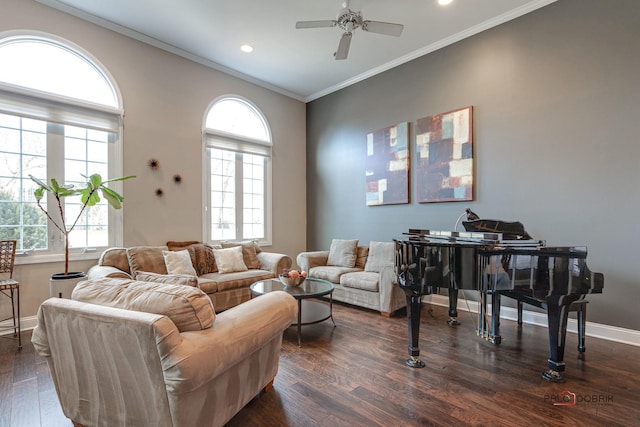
<point>496,264</point>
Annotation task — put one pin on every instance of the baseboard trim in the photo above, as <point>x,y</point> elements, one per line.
<point>596,330</point>
<point>26,324</point>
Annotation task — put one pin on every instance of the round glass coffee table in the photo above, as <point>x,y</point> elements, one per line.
<point>314,311</point>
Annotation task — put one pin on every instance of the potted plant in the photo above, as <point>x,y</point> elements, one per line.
<point>89,196</point>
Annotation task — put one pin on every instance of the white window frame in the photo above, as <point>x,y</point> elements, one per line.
<point>57,109</point>
<point>213,138</point>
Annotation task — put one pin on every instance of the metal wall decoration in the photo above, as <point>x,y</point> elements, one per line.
<point>387,165</point>
<point>444,166</point>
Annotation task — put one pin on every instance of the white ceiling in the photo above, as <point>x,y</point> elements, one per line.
<point>297,63</point>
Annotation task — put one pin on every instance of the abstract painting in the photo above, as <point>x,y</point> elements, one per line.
<point>444,166</point>
<point>387,165</point>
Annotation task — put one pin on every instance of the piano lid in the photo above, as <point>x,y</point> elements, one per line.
<point>468,237</point>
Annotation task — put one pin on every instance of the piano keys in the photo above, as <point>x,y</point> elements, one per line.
<point>553,278</point>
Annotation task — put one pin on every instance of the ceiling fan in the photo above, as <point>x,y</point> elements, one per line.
<point>348,20</point>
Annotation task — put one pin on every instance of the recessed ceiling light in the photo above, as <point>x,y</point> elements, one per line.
<point>246,48</point>
<point>444,2</point>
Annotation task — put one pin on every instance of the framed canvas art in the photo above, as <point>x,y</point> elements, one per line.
<point>387,165</point>
<point>444,147</point>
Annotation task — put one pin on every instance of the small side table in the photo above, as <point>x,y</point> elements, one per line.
<point>315,311</point>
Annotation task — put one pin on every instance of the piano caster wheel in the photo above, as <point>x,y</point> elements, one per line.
<point>414,362</point>
<point>552,376</point>
<point>453,321</point>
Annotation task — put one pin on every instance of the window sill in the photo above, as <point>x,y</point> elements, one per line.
<point>32,258</point>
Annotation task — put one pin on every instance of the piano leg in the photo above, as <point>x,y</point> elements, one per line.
<point>581,308</point>
<point>495,337</point>
<point>489,329</point>
<point>414,304</point>
<point>453,307</point>
<point>520,313</point>
<point>557,319</point>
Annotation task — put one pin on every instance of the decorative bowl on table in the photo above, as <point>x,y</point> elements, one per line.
<point>292,277</point>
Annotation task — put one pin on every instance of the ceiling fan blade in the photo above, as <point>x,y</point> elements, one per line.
<point>316,24</point>
<point>343,46</point>
<point>385,28</point>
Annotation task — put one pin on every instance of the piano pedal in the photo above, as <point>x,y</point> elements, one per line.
<point>552,376</point>
<point>453,321</point>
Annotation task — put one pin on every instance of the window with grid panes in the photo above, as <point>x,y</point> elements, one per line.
<point>60,117</point>
<point>237,145</point>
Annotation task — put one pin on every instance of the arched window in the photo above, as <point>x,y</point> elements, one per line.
<point>60,117</point>
<point>238,145</point>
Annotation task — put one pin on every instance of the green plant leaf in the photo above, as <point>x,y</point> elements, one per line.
<point>38,193</point>
<point>123,178</point>
<point>114,199</point>
<point>88,196</point>
<point>42,184</point>
<point>95,180</point>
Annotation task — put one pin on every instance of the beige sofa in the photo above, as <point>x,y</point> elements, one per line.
<point>361,275</point>
<point>226,288</point>
<point>114,364</point>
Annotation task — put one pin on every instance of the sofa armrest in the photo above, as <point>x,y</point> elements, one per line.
<point>102,271</point>
<point>392,297</point>
<point>307,260</point>
<point>274,262</point>
<point>236,334</point>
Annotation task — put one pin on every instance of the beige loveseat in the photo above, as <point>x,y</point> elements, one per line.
<point>150,354</point>
<point>361,275</point>
<point>226,287</point>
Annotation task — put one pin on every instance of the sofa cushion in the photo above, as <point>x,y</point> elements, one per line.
<point>361,256</point>
<point>172,279</point>
<point>330,273</point>
<point>115,257</point>
<point>189,308</point>
<point>343,253</point>
<point>229,260</point>
<point>146,258</point>
<point>178,262</point>
<point>217,282</point>
<point>367,281</point>
<point>380,255</point>
<point>249,253</point>
<point>201,255</point>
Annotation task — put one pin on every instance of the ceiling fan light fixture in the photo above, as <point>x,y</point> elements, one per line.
<point>246,48</point>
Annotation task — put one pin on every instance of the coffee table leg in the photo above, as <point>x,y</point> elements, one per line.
<point>299,320</point>
<point>331,309</point>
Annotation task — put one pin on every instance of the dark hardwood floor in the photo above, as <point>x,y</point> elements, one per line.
<point>354,375</point>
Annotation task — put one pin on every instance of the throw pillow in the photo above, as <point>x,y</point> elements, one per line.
<point>189,308</point>
<point>115,257</point>
<point>230,260</point>
<point>179,262</point>
<point>361,256</point>
<point>343,253</point>
<point>146,258</point>
<point>201,255</point>
<point>380,255</point>
<point>249,254</point>
<point>172,279</point>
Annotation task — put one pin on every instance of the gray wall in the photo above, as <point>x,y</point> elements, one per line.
<point>555,96</point>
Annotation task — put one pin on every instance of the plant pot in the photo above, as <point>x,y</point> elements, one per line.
<point>61,285</point>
